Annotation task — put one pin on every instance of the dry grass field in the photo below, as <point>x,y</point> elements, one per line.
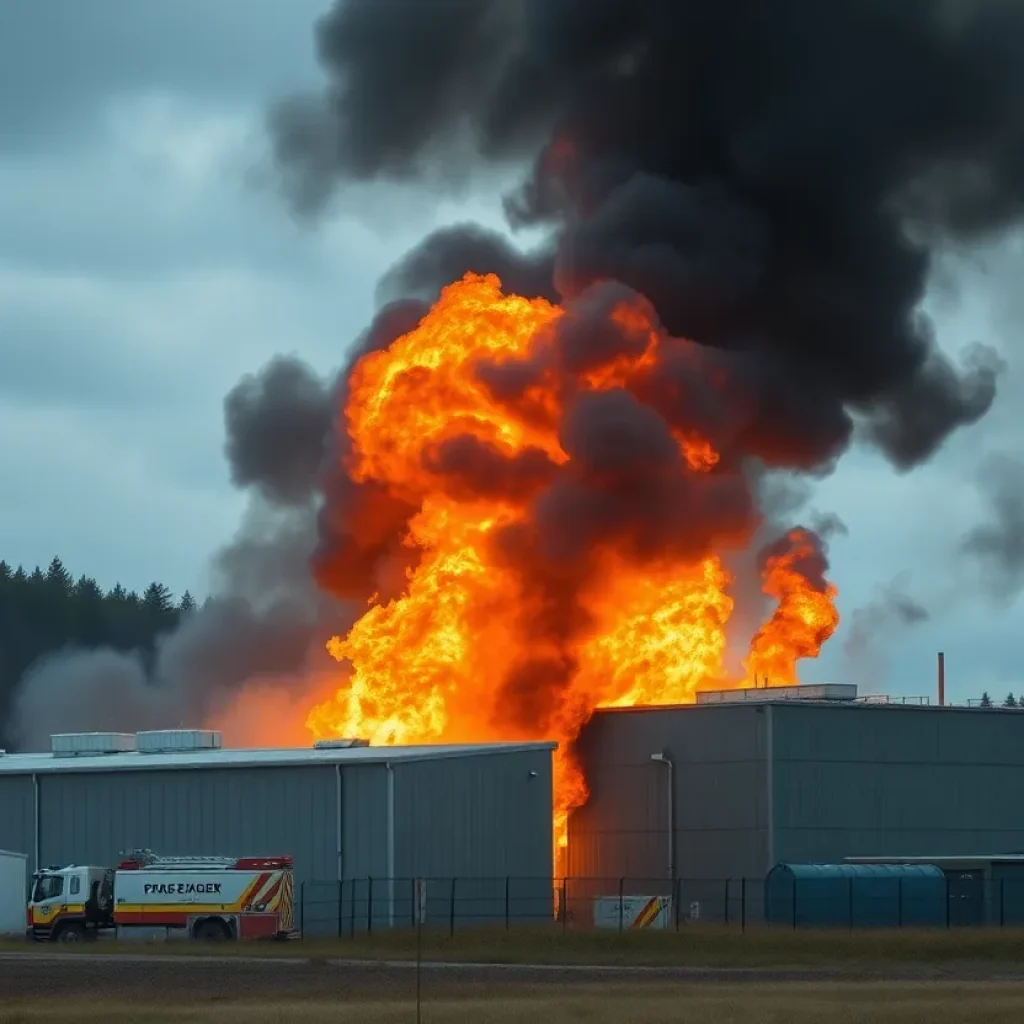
<point>703,946</point>
<point>882,1003</point>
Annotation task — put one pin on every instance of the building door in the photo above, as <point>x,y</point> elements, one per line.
<point>966,890</point>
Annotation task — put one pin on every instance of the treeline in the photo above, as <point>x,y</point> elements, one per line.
<point>45,610</point>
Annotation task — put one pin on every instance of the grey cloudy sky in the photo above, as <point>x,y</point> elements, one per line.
<point>144,270</point>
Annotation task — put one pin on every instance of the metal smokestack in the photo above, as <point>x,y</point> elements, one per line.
<point>942,679</point>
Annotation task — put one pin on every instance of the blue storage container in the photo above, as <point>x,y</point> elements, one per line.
<point>856,896</point>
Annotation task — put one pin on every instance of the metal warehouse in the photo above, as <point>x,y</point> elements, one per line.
<point>730,786</point>
<point>361,822</point>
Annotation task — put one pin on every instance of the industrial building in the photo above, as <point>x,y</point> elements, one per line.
<point>360,822</point>
<point>704,795</point>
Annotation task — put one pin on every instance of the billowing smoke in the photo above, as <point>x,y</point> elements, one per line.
<point>997,544</point>
<point>774,185</point>
<point>265,622</point>
<point>770,188</point>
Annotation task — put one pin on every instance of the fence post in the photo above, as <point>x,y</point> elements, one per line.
<point>341,908</point>
<point>565,904</point>
<point>622,889</point>
<point>302,909</point>
<point>412,903</point>
<point>352,910</point>
<point>899,902</point>
<point>369,905</point>
<point>507,907</point>
<point>677,896</point>
<point>451,912</point>
<point>794,903</point>
<point>743,904</point>
<point>726,912</point>
<point>1002,902</point>
<point>947,901</point>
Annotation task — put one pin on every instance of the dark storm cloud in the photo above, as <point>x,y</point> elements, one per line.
<point>997,544</point>
<point>775,185</point>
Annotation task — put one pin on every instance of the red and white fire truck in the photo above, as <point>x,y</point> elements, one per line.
<point>211,898</point>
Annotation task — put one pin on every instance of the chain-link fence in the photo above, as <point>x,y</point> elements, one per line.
<point>357,906</point>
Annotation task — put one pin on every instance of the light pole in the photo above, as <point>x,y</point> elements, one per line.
<point>670,811</point>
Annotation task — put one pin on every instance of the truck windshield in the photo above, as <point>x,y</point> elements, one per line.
<point>48,887</point>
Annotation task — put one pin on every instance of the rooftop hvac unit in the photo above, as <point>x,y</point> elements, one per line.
<point>339,744</point>
<point>169,741</point>
<point>85,744</point>
<point>813,691</point>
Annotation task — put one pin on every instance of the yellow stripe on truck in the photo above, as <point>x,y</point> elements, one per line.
<point>50,913</point>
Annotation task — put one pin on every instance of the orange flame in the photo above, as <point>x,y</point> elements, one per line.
<point>804,619</point>
<point>432,664</point>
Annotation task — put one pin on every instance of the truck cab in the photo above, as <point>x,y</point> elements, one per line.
<point>72,903</point>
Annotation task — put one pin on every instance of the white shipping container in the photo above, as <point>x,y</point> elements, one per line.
<point>13,892</point>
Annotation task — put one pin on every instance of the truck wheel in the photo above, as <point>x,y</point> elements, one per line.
<point>210,931</point>
<point>71,933</point>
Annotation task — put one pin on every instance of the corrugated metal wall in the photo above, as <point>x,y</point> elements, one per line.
<point>476,817</point>
<point>92,816</point>
<point>868,781</point>
<point>720,810</point>
<point>486,822</point>
<point>845,780</point>
<point>17,816</point>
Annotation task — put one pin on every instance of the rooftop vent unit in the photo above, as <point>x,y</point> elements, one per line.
<point>90,744</point>
<point>339,744</point>
<point>813,691</point>
<point>172,741</point>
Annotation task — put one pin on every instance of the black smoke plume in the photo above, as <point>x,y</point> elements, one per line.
<point>774,182</point>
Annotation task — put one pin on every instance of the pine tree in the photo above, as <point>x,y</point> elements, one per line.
<point>57,576</point>
<point>986,700</point>
<point>157,599</point>
<point>1010,702</point>
<point>188,603</point>
<point>46,610</point>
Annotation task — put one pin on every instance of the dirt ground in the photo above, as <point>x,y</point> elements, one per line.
<point>152,978</point>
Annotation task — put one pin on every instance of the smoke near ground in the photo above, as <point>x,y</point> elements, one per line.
<point>265,623</point>
<point>997,544</point>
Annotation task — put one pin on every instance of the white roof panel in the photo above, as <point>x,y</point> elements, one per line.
<point>245,758</point>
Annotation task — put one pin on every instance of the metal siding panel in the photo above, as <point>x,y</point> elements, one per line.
<point>360,901</point>
<point>17,820</point>
<point>721,807</point>
<point>92,817</point>
<point>894,781</point>
<point>483,821</point>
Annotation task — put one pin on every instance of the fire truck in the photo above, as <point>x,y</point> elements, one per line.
<point>211,898</point>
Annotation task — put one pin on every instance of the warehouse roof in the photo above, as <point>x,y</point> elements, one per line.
<point>244,758</point>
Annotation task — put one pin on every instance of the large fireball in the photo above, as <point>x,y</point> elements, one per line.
<point>561,511</point>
